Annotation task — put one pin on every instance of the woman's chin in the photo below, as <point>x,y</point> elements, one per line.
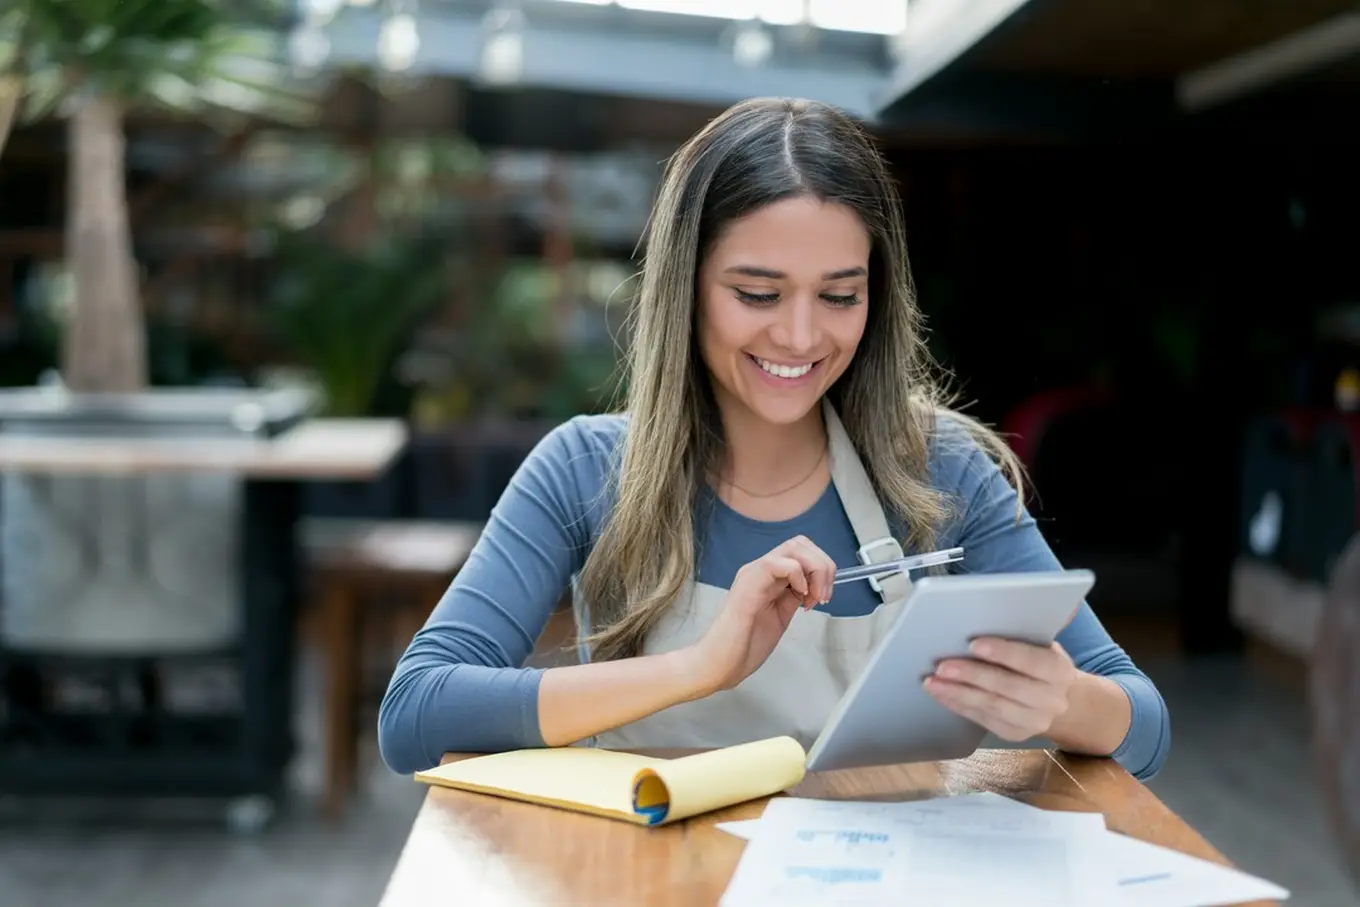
<point>782,409</point>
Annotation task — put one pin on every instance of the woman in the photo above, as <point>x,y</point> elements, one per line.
<point>782,418</point>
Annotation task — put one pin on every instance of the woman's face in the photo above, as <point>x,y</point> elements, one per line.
<point>783,298</point>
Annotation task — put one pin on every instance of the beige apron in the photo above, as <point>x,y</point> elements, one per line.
<point>798,686</point>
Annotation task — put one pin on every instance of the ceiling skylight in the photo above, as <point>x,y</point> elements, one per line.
<point>884,17</point>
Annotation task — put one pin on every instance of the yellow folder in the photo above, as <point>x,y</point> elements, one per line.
<point>640,789</point>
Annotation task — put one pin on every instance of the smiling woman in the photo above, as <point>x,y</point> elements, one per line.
<point>782,303</point>
<point>783,418</point>
<point>782,307</point>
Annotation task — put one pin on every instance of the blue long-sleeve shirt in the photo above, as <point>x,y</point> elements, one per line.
<point>461,685</point>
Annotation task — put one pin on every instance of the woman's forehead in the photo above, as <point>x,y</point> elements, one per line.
<point>794,237</point>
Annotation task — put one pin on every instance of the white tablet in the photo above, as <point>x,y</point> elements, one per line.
<point>887,717</point>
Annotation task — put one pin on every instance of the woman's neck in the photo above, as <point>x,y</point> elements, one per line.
<point>764,460</point>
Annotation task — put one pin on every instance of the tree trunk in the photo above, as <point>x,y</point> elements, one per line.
<point>105,345</point>
<point>11,92</point>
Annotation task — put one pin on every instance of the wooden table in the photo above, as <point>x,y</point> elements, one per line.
<point>467,848</point>
<point>356,449</point>
<point>273,473</point>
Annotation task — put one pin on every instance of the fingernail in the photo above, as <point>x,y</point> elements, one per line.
<point>980,648</point>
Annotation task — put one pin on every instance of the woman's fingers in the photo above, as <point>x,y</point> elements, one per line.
<point>801,566</point>
<point>1001,715</point>
<point>1021,688</point>
<point>817,565</point>
<point>1049,663</point>
<point>790,570</point>
<point>1002,723</point>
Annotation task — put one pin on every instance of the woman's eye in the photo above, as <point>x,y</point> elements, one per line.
<point>757,298</point>
<point>852,299</point>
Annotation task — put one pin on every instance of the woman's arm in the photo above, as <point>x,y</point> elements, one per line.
<point>1113,707</point>
<point>1111,692</point>
<point>461,685</point>
<point>1098,717</point>
<point>579,701</point>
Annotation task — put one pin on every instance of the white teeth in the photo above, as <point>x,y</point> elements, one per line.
<point>784,371</point>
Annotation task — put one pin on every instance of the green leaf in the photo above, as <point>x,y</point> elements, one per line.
<point>43,91</point>
<point>151,51</point>
<point>345,314</point>
<point>172,91</point>
<point>11,33</point>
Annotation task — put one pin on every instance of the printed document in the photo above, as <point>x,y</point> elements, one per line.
<point>1117,871</point>
<point>833,853</point>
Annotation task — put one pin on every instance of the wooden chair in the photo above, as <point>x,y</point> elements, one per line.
<point>1335,697</point>
<point>398,569</point>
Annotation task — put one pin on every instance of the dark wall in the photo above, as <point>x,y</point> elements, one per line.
<point>1186,274</point>
<point>1155,266</point>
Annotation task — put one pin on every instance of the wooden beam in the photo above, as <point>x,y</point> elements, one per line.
<point>1290,57</point>
<point>1036,107</point>
<point>938,33</point>
<point>1145,38</point>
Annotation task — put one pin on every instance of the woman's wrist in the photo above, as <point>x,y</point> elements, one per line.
<point>691,673</point>
<point>580,701</point>
<point>1097,719</point>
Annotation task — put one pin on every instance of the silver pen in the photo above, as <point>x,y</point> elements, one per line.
<point>898,565</point>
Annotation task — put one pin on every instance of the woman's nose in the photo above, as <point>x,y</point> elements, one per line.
<point>797,329</point>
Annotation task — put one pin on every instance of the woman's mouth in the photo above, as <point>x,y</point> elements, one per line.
<point>784,372</point>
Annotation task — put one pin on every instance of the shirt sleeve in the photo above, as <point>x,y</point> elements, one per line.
<point>984,521</point>
<point>461,686</point>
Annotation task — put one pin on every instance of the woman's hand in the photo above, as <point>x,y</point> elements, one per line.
<point>1014,689</point>
<point>765,595</point>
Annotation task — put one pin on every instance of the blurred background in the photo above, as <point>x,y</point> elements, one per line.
<point>416,219</point>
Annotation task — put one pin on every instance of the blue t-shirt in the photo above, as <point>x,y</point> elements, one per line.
<point>461,685</point>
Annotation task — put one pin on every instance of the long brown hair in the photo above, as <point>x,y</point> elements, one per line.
<point>889,398</point>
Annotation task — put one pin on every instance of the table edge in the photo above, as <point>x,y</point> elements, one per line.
<point>427,802</point>
<point>265,459</point>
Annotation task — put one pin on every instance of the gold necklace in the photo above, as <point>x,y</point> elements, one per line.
<point>775,494</point>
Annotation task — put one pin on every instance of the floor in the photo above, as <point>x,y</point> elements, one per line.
<point>1234,732</point>
<point>1240,772</point>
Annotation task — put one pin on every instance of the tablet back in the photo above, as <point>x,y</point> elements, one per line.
<point>887,717</point>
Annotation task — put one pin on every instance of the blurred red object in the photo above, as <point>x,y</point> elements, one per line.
<point>1024,426</point>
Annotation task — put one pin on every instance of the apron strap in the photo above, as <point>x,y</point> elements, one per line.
<point>580,613</point>
<point>876,541</point>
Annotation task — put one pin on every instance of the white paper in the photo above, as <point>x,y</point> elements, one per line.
<point>746,828</point>
<point>834,853</point>
<point>1125,871</point>
<point>1147,875</point>
<point>742,828</point>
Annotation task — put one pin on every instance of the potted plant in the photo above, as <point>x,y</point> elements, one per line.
<point>90,62</point>
<point>490,390</point>
<point>346,314</point>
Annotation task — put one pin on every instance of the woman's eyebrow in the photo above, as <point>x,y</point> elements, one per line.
<point>771,274</point>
